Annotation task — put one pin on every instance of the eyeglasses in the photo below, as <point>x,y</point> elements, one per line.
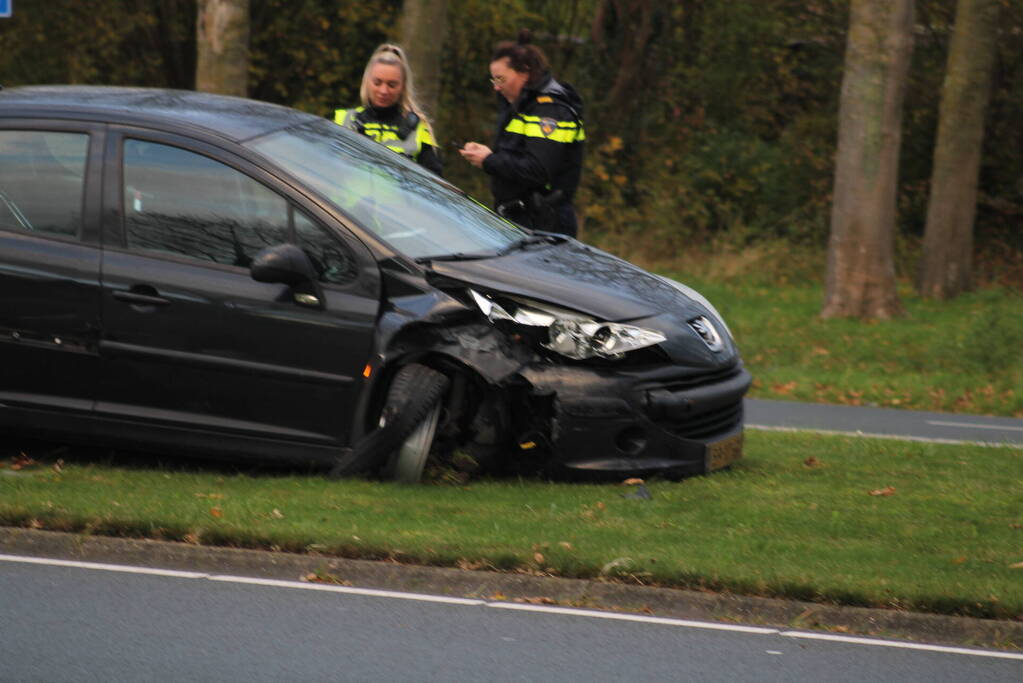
<point>497,80</point>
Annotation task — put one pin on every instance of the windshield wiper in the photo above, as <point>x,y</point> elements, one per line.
<point>526,241</point>
<point>457,256</point>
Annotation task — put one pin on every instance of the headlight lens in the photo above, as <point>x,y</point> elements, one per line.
<point>572,334</point>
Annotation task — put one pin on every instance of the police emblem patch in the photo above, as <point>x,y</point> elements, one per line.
<point>548,126</point>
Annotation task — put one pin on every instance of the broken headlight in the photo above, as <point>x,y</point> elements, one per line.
<point>571,334</point>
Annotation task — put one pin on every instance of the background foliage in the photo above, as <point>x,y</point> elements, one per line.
<point>706,119</point>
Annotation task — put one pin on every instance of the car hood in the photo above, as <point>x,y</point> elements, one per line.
<point>577,276</point>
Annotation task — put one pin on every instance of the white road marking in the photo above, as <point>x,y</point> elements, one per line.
<point>349,590</point>
<point>893,437</point>
<point>903,645</point>
<point>127,569</point>
<point>942,423</point>
<point>631,617</point>
<point>423,597</point>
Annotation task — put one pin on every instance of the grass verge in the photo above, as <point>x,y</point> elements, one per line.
<point>961,355</point>
<point>833,519</point>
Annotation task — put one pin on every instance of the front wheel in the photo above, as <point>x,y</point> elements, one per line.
<point>407,463</point>
<point>401,443</point>
<point>414,398</point>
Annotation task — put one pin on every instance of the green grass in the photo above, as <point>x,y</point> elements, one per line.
<point>796,518</point>
<point>964,355</point>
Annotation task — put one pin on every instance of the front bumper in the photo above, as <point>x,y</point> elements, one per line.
<point>670,420</point>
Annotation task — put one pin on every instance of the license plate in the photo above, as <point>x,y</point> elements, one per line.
<point>724,453</point>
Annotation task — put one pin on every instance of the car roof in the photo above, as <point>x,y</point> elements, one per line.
<point>234,118</point>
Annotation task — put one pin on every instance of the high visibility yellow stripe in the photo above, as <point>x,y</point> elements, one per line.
<point>423,134</point>
<point>565,132</point>
<point>385,133</point>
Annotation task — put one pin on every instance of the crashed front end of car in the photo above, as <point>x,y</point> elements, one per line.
<point>630,374</point>
<point>673,409</point>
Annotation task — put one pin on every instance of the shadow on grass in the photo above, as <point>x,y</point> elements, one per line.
<point>48,453</point>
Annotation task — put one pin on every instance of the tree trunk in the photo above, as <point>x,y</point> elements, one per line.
<point>861,251</point>
<point>423,27</point>
<point>222,40</point>
<point>946,268</point>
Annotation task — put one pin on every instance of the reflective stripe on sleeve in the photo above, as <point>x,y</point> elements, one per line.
<point>532,127</point>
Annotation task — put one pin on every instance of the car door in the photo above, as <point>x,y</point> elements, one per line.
<point>49,267</point>
<point>190,340</point>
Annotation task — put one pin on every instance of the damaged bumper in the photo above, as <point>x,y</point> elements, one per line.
<point>616,423</point>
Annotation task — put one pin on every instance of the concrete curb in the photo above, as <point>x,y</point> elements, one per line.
<point>663,602</point>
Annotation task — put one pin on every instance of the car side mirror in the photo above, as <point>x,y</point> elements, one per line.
<point>287,264</point>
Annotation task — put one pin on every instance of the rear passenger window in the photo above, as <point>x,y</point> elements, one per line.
<point>42,178</point>
<point>179,202</point>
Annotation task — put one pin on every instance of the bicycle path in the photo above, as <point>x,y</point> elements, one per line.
<point>884,422</point>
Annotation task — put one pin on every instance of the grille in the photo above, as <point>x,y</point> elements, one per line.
<point>700,380</point>
<point>707,424</point>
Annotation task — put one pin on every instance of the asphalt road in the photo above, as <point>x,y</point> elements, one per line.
<point>106,623</point>
<point>885,422</point>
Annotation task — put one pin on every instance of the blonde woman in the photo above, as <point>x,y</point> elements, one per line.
<point>389,113</point>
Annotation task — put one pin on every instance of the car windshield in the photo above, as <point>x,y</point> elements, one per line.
<point>407,206</point>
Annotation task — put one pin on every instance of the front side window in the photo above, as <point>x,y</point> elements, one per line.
<point>332,260</point>
<point>42,180</point>
<point>180,202</point>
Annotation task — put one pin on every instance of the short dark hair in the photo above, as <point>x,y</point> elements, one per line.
<point>522,55</point>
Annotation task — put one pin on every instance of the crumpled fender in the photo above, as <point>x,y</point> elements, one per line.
<point>418,320</point>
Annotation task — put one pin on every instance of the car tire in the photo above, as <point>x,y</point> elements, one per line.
<point>406,464</point>
<point>413,402</point>
<point>414,398</point>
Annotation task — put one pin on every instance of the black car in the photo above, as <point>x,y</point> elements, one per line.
<point>190,272</point>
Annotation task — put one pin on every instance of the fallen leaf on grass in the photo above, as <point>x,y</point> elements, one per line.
<point>191,539</point>
<point>538,557</point>
<point>812,462</point>
<point>470,565</point>
<point>566,545</point>
<point>498,596</point>
<point>632,482</point>
<point>325,577</point>
<point>217,512</point>
<point>58,466</point>
<point>537,601</point>
<point>35,524</point>
<point>959,560</point>
<point>277,514</point>
<point>1018,565</point>
<point>785,389</point>
<point>21,461</point>
<point>886,491</point>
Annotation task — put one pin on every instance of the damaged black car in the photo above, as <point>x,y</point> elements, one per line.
<point>185,271</point>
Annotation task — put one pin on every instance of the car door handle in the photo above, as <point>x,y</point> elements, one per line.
<point>141,299</point>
